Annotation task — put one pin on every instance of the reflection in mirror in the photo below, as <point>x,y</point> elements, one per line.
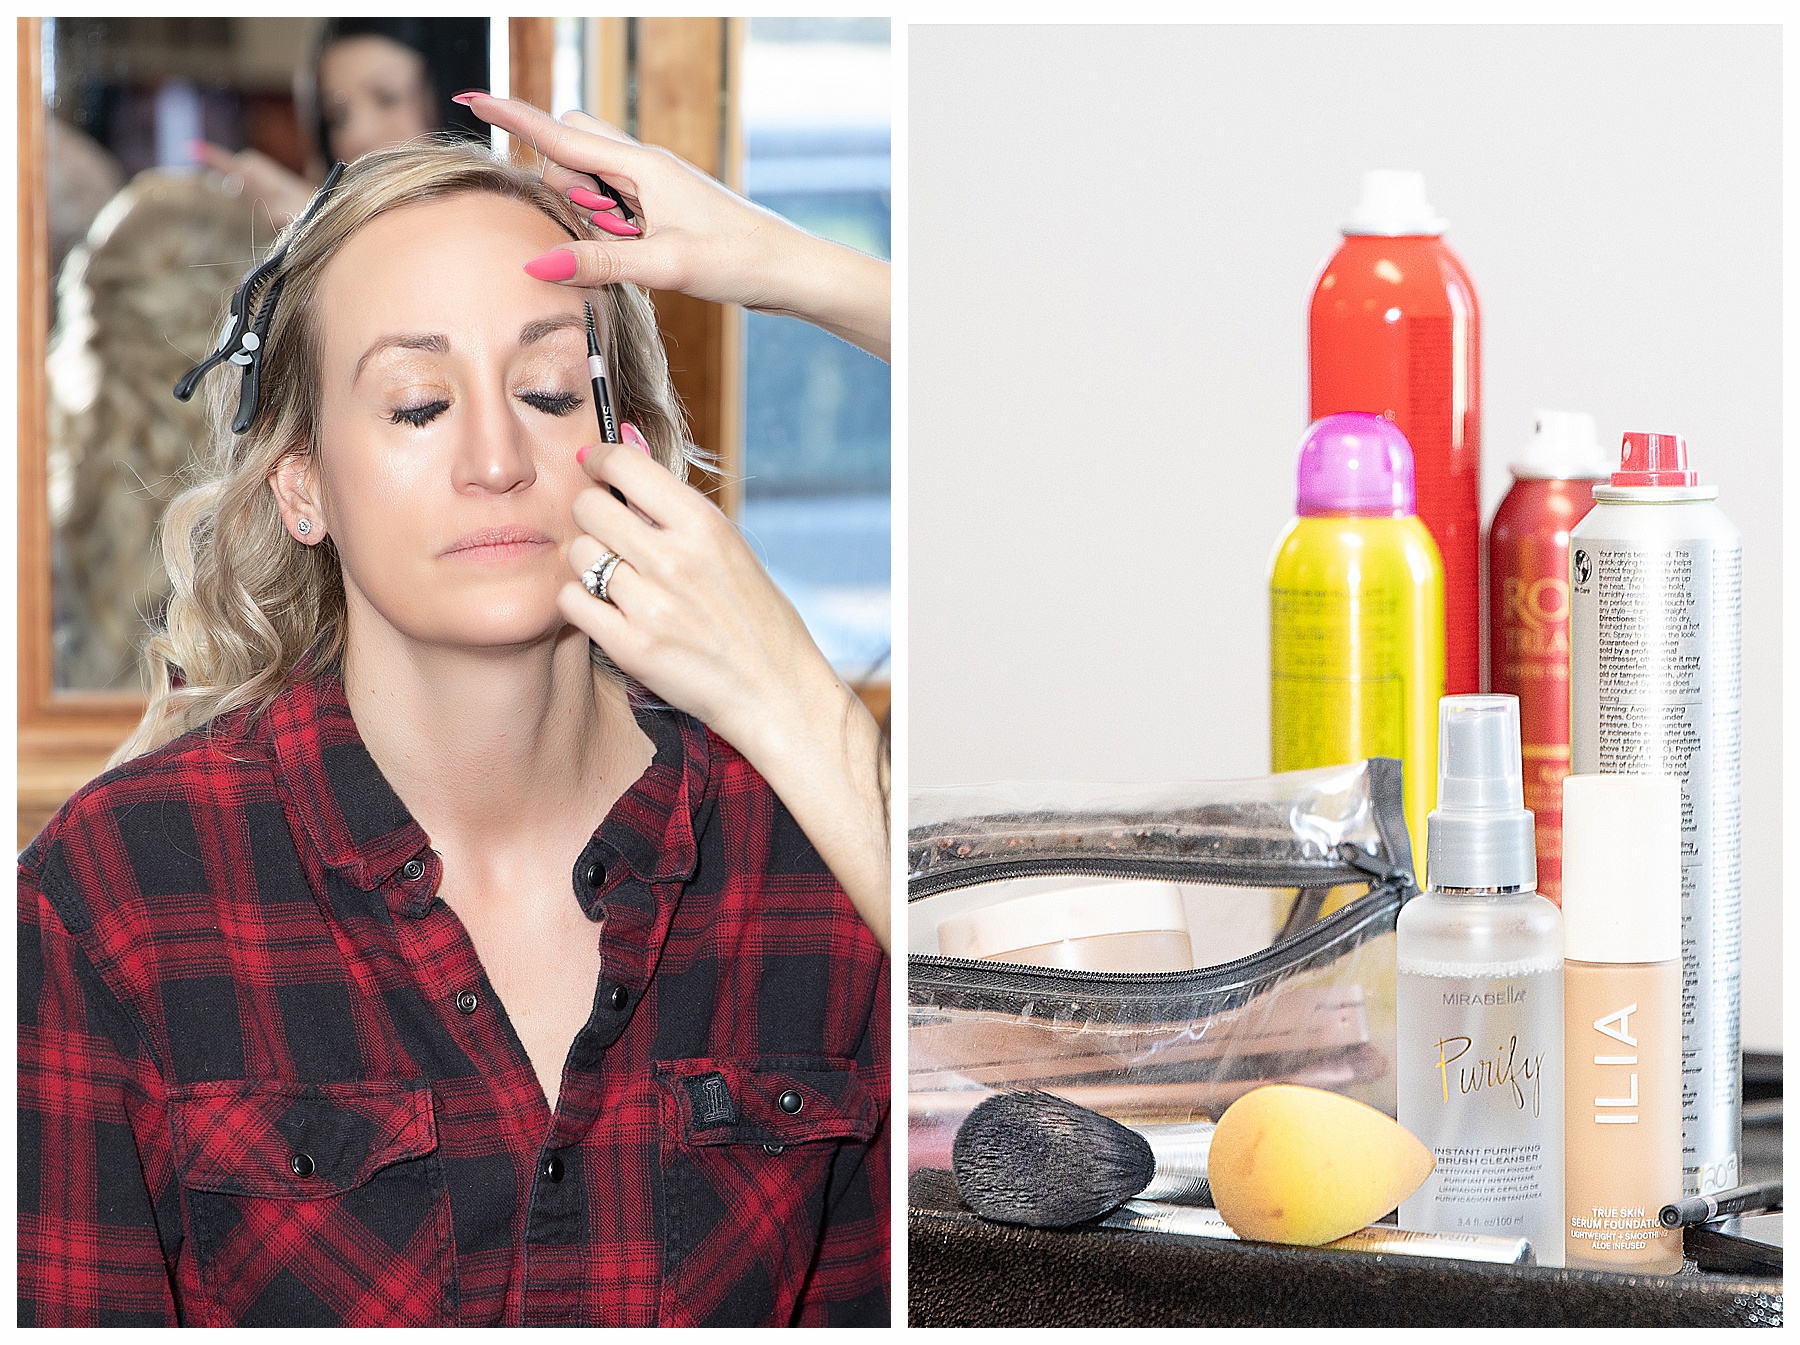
<point>142,273</point>
<point>176,147</point>
<point>136,306</point>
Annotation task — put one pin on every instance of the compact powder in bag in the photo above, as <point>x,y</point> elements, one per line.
<point>1121,926</point>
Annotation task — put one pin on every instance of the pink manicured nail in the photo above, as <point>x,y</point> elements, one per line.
<point>617,227</point>
<point>581,454</point>
<point>557,264</point>
<point>588,200</point>
<point>632,436</point>
<point>468,96</point>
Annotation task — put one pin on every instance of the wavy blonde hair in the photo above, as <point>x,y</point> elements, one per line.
<point>250,608</point>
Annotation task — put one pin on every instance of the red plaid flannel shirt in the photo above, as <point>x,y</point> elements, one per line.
<point>263,1080</point>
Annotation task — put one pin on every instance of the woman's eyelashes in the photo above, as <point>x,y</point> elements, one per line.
<point>420,414</point>
<point>552,403</point>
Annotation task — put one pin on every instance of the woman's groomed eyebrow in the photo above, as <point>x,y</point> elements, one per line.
<point>436,342</point>
<point>439,344</point>
<point>537,331</point>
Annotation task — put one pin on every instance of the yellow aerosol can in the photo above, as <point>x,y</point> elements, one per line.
<point>1356,614</point>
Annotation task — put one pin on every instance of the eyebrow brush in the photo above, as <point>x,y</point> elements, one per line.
<point>603,407</point>
<point>609,424</point>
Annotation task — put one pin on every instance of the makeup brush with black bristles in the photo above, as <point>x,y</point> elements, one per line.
<point>1034,1158</point>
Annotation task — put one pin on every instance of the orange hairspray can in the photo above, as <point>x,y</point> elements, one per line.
<point>1528,609</point>
<point>1394,330</point>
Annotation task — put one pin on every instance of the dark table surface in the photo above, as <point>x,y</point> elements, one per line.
<point>966,1271</point>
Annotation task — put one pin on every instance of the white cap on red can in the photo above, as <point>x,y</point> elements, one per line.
<point>1621,885</point>
<point>1393,205</point>
<point>1564,446</point>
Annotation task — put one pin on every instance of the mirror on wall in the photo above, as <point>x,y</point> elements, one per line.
<point>174,149</point>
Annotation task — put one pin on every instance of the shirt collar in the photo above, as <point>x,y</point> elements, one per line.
<point>359,827</point>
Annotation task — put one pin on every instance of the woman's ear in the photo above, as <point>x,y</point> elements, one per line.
<point>296,487</point>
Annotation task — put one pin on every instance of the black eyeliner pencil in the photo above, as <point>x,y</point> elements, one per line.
<point>1763,1198</point>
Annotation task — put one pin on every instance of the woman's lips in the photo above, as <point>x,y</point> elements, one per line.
<point>497,544</point>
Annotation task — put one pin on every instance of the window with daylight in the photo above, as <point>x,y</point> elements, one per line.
<point>815,118</point>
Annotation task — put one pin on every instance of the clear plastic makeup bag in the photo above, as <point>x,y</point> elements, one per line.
<point>1290,886</point>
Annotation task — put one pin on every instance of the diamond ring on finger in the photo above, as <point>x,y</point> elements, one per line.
<point>598,575</point>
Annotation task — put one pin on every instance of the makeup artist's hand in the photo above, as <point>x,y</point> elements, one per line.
<point>692,233</point>
<point>285,194</point>
<point>695,617</point>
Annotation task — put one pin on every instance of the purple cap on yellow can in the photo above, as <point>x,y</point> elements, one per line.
<point>1355,463</point>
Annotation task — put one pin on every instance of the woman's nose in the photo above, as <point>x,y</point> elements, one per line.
<point>494,453</point>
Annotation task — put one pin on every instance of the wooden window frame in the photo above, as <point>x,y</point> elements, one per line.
<point>65,737</point>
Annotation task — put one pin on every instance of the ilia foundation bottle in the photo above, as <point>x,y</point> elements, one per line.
<point>1622,1020</point>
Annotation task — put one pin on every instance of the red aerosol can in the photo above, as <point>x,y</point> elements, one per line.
<point>1394,330</point>
<point>1528,609</point>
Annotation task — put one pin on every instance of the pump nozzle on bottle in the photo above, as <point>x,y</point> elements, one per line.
<point>1653,460</point>
<point>1479,838</point>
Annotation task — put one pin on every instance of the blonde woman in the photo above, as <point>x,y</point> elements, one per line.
<point>416,966</point>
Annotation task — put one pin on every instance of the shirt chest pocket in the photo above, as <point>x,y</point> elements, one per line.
<point>315,1204</point>
<point>757,1155</point>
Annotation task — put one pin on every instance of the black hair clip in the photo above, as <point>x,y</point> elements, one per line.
<point>608,190</point>
<point>245,338</point>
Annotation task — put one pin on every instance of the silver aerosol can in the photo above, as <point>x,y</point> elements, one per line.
<point>1656,584</point>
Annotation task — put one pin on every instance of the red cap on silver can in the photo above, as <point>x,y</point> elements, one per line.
<point>1653,460</point>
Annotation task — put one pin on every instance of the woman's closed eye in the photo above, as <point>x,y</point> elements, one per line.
<point>553,403</point>
<point>420,413</point>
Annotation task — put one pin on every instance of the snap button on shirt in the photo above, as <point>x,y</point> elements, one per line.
<point>468,1001</point>
<point>413,870</point>
<point>553,1168</point>
<point>301,1164</point>
<point>790,1102</point>
<point>595,875</point>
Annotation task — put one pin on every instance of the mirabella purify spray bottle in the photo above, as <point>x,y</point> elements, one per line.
<point>1479,1077</point>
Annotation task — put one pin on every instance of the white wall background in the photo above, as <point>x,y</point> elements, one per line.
<point>1113,236</point>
